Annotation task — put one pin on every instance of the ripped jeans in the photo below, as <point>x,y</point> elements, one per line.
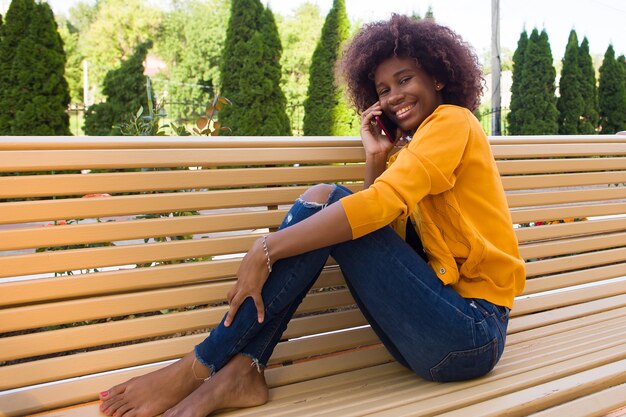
<point>426,326</point>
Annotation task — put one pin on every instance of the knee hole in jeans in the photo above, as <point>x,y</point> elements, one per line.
<point>318,194</point>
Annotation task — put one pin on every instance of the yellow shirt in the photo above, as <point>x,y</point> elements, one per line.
<point>446,179</point>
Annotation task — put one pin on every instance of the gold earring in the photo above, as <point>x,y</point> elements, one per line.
<point>438,87</point>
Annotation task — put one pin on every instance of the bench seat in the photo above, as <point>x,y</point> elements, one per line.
<point>177,233</point>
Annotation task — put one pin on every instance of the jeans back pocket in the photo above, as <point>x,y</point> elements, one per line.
<point>467,364</point>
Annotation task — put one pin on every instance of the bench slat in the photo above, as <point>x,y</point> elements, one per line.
<point>82,208</point>
<point>541,166</point>
<point>565,197</point>
<point>569,279</point>
<point>73,234</point>
<point>525,182</point>
<point>560,315</point>
<point>56,160</point>
<point>526,305</point>
<point>70,260</point>
<point>594,405</point>
<point>80,184</point>
<point>29,291</point>
<point>553,231</point>
<point>573,245</point>
<point>576,211</point>
<point>569,263</point>
<point>557,150</point>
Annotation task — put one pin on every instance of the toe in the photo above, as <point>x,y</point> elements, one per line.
<point>114,407</point>
<point>122,411</point>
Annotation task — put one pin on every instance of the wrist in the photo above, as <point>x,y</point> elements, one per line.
<point>376,158</point>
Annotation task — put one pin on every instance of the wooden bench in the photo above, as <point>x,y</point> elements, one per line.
<point>176,231</point>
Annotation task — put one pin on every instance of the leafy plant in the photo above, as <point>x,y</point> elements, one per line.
<point>149,124</point>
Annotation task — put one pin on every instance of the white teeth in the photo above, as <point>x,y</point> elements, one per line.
<point>403,110</point>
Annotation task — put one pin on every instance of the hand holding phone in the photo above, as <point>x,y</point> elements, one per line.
<point>388,127</point>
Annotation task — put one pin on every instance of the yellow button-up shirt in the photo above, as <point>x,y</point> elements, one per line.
<point>446,179</point>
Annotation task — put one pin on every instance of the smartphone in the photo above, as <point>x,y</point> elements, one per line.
<point>388,127</point>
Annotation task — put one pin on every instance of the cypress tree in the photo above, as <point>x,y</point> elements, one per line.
<point>590,117</point>
<point>16,24</point>
<point>251,73</point>
<point>570,102</point>
<point>612,94</point>
<point>326,112</point>
<point>125,89</point>
<point>514,116</point>
<point>34,94</point>
<point>538,112</point>
<point>41,75</point>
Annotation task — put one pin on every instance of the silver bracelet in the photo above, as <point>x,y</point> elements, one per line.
<point>267,253</point>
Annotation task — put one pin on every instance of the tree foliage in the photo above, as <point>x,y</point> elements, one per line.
<point>190,41</point>
<point>590,117</point>
<point>297,34</point>
<point>326,112</point>
<point>514,117</point>
<point>537,113</point>
<point>250,72</point>
<point>612,94</point>
<point>125,89</point>
<point>74,62</point>
<point>33,90</point>
<point>115,28</point>
<point>570,102</point>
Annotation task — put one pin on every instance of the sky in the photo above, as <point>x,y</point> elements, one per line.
<point>602,21</point>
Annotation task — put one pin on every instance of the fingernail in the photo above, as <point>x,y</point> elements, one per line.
<point>104,393</point>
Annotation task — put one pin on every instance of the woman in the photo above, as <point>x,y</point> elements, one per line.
<point>441,311</point>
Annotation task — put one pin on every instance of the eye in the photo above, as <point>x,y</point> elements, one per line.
<point>382,91</point>
<point>404,80</point>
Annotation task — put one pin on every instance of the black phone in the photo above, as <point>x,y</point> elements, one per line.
<point>388,127</point>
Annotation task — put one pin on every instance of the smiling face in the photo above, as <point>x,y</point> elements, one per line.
<point>407,94</point>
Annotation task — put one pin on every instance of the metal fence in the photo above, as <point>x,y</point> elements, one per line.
<point>187,111</point>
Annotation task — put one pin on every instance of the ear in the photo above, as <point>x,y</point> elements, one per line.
<point>439,86</point>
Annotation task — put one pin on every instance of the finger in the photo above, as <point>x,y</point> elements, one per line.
<point>369,118</point>
<point>260,307</point>
<point>232,311</point>
<point>231,293</point>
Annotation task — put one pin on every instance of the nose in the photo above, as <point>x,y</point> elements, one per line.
<point>395,96</point>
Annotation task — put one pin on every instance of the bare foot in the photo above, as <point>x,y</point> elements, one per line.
<point>237,385</point>
<point>150,395</point>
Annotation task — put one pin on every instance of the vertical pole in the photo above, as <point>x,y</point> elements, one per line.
<point>85,83</point>
<point>495,68</point>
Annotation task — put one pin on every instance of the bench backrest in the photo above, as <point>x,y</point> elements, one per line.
<point>116,254</point>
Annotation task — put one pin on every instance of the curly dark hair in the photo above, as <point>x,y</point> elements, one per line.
<point>437,50</point>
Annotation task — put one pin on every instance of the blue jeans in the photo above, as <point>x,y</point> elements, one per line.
<point>426,326</point>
